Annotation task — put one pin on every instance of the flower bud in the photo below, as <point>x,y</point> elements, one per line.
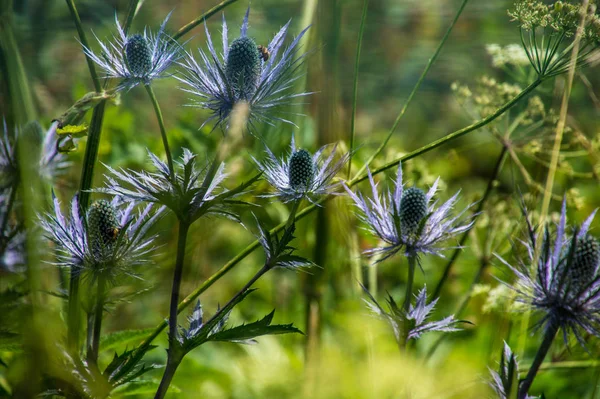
<point>413,208</point>
<point>243,66</point>
<point>301,169</point>
<point>138,56</point>
<point>585,262</point>
<point>103,225</point>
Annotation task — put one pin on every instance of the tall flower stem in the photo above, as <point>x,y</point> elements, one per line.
<point>311,208</point>
<point>177,274</point>
<point>98,311</point>
<point>163,131</point>
<point>201,19</point>
<point>539,358</point>
<point>412,263</point>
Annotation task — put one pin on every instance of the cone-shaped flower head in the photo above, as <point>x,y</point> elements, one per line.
<point>585,262</point>
<point>103,226</point>
<point>413,208</point>
<point>564,285</point>
<point>138,58</point>
<point>302,175</point>
<point>262,76</point>
<point>243,66</point>
<point>409,220</point>
<point>112,239</point>
<point>138,55</point>
<point>301,169</point>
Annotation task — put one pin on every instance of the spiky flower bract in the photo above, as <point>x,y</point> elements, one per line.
<point>505,382</point>
<point>51,163</point>
<point>137,58</point>
<point>408,220</point>
<point>564,285</point>
<point>111,239</point>
<point>195,191</point>
<point>414,319</point>
<point>219,81</point>
<point>301,175</point>
<point>278,251</point>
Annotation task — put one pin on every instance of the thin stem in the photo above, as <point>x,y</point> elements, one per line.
<point>539,358</point>
<point>292,216</point>
<point>355,88</point>
<point>98,311</point>
<point>476,213</point>
<point>133,5</point>
<point>84,43</point>
<point>188,27</point>
<point>311,208</point>
<point>167,377</point>
<point>415,88</point>
<point>163,131</point>
<point>412,263</point>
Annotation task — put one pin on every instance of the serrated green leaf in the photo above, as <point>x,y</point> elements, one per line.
<point>140,387</point>
<point>124,367</point>
<point>250,331</point>
<point>118,338</point>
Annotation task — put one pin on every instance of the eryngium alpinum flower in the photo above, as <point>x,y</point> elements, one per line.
<point>265,80</point>
<point>408,219</point>
<point>111,239</point>
<point>564,285</point>
<point>416,316</point>
<point>137,58</point>
<point>302,175</point>
<point>51,163</point>
<point>195,192</point>
<point>505,382</point>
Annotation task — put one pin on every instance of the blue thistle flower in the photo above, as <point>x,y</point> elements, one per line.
<point>414,319</point>
<point>51,162</point>
<point>565,285</point>
<point>243,73</point>
<point>408,220</point>
<point>138,58</point>
<point>112,239</point>
<point>302,175</point>
<point>194,192</point>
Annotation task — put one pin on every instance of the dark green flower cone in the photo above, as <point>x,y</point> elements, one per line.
<point>413,208</point>
<point>585,262</point>
<point>301,169</point>
<point>243,66</point>
<point>138,55</point>
<point>103,225</point>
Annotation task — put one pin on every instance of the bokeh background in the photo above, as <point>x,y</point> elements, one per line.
<point>346,353</point>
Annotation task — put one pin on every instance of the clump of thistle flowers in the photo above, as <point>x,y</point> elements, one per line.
<point>137,58</point>
<point>300,175</point>
<point>563,285</point>
<point>262,76</point>
<point>548,30</point>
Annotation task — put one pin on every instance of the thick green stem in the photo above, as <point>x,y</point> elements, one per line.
<point>163,131</point>
<point>539,358</point>
<point>412,263</point>
<point>415,89</point>
<point>292,216</point>
<point>97,329</point>
<point>167,377</point>
<point>177,274</point>
<point>309,209</point>
<point>133,5</point>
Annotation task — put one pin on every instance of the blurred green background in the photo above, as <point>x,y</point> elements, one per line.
<point>346,353</point>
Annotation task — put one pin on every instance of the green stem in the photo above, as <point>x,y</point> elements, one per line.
<point>309,209</point>
<point>355,89</point>
<point>177,274</point>
<point>84,43</point>
<point>167,377</point>
<point>97,329</point>
<point>539,358</point>
<point>415,88</point>
<point>133,5</point>
<point>412,263</point>
<point>188,27</point>
<point>292,216</point>
<point>476,213</point>
<point>163,132</point>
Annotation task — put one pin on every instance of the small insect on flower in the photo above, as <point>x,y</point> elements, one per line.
<point>408,220</point>
<point>302,175</point>
<point>264,52</point>
<point>137,58</point>
<point>564,285</point>
<point>262,76</point>
<point>112,239</point>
